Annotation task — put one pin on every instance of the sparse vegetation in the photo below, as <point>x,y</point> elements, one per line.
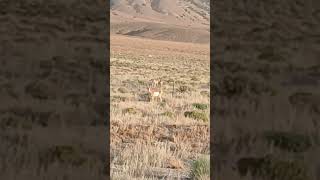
<point>130,111</point>
<point>47,105</point>
<point>119,98</point>
<point>273,168</point>
<point>168,114</point>
<point>183,89</point>
<point>64,154</point>
<point>266,100</point>
<point>151,137</point>
<point>196,115</point>
<point>201,169</point>
<point>205,93</point>
<point>146,136</point>
<point>200,106</point>
<point>289,141</point>
<point>123,90</point>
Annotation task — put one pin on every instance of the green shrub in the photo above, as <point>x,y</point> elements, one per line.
<point>194,78</point>
<point>123,90</point>
<point>64,154</point>
<point>201,169</point>
<point>291,142</point>
<point>271,56</point>
<point>196,115</point>
<point>141,82</point>
<point>119,98</point>
<point>168,113</point>
<point>163,103</point>
<point>130,111</point>
<point>205,93</point>
<point>200,106</point>
<point>272,168</point>
<point>183,89</point>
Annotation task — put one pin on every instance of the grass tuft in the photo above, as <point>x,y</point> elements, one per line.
<point>123,90</point>
<point>196,115</point>
<point>200,106</point>
<point>168,114</point>
<point>200,169</point>
<point>130,111</point>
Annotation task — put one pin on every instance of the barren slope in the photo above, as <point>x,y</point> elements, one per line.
<point>174,20</point>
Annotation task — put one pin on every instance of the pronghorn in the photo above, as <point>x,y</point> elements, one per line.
<point>155,82</point>
<point>155,91</point>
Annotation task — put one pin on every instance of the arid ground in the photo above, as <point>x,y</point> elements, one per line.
<point>172,20</point>
<point>154,140</point>
<point>266,90</point>
<point>51,111</point>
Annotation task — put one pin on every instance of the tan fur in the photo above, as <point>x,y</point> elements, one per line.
<point>156,83</point>
<point>155,91</point>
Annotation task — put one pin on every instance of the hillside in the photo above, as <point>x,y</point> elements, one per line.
<point>174,20</point>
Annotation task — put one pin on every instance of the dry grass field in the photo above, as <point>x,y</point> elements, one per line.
<point>266,90</point>
<point>156,140</point>
<point>50,116</point>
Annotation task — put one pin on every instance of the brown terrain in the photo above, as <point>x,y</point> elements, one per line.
<point>266,90</point>
<point>266,58</point>
<point>159,140</point>
<point>51,79</point>
<point>173,20</point>
<point>163,132</point>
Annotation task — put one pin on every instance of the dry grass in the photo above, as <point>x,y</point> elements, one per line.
<point>266,92</point>
<point>46,121</point>
<point>152,140</point>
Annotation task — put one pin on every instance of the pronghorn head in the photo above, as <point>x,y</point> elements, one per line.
<point>156,82</point>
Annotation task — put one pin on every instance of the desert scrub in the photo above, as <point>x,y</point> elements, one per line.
<point>14,122</point>
<point>193,84</point>
<point>269,54</point>
<point>196,115</point>
<point>272,168</point>
<point>291,142</point>
<point>183,89</point>
<point>195,78</point>
<point>200,106</point>
<point>63,154</point>
<point>123,90</point>
<point>168,114</point>
<point>200,169</point>
<point>144,97</point>
<point>142,82</point>
<point>130,111</point>
<point>205,93</point>
<point>119,98</point>
<point>163,103</point>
